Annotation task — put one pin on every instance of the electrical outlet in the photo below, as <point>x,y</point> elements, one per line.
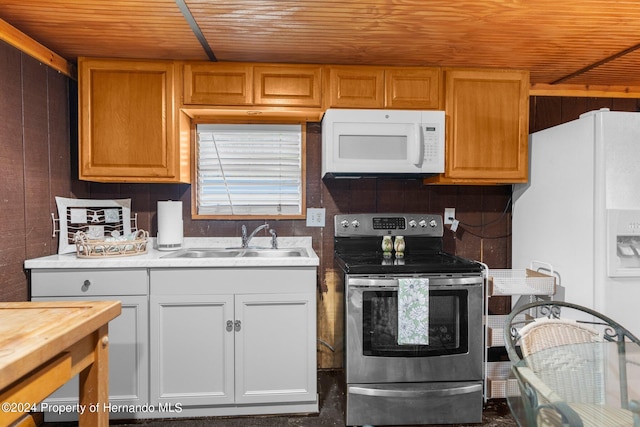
<point>315,217</point>
<point>449,215</point>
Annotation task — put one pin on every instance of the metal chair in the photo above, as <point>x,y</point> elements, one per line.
<point>563,378</point>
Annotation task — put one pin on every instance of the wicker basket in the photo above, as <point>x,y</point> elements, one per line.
<point>499,384</point>
<point>93,248</point>
<point>520,282</point>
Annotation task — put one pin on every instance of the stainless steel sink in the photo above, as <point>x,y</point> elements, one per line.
<point>274,253</point>
<point>204,253</point>
<point>237,252</point>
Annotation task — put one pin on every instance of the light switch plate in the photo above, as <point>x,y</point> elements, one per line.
<point>315,217</point>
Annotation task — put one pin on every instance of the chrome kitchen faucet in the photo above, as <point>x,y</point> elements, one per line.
<point>246,239</point>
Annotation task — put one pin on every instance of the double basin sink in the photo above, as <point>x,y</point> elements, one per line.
<point>238,253</point>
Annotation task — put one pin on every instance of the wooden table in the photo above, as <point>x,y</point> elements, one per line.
<point>44,344</point>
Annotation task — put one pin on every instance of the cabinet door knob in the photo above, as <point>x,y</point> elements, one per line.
<point>229,325</point>
<point>238,325</point>
<point>85,285</point>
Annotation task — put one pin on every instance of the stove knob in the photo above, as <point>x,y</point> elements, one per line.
<point>423,223</point>
<point>413,223</point>
<point>433,223</point>
<point>355,223</point>
<point>344,223</point>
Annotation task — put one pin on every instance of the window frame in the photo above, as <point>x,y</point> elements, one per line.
<point>235,121</point>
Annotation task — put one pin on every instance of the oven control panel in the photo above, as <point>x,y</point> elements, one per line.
<point>391,223</point>
<point>428,225</point>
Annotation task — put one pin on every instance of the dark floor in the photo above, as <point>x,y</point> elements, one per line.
<point>331,391</point>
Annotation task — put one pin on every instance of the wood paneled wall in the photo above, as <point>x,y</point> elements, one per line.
<point>545,111</point>
<point>38,136</point>
<point>35,151</point>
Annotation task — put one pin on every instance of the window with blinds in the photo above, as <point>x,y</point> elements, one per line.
<point>249,169</point>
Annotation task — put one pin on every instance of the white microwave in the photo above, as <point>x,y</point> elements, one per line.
<point>371,143</point>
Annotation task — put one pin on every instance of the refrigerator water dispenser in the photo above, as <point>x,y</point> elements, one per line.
<point>623,242</point>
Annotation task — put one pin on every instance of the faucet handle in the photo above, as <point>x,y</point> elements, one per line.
<point>274,239</point>
<point>243,235</point>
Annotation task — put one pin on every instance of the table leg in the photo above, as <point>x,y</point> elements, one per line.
<point>94,384</point>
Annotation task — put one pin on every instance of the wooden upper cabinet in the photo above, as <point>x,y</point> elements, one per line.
<point>288,85</point>
<point>412,88</point>
<point>127,122</point>
<point>355,87</point>
<point>487,115</point>
<point>238,84</point>
<point>211,83</point>
<point>384,87</point>
<point>303,85</point>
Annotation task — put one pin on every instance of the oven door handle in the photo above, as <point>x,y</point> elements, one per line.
<point>373,283</point>
<point>434,282</point>
<point>405,393</point>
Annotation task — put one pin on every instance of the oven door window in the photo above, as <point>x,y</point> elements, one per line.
<point>448,325</point>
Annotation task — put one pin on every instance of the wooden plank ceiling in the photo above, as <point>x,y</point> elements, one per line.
<point>581,42</point>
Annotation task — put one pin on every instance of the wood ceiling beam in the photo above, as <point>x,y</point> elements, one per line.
<point>188,16</point>
<point>593,91</point>
<point>26,44</point>
<point>597,64</point>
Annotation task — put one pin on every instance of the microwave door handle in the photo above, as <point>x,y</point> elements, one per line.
<point>415,151</point>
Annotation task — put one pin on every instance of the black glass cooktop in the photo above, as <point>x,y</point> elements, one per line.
<point>363,256</point>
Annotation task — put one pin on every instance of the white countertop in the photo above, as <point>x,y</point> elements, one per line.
<point>155,258</point>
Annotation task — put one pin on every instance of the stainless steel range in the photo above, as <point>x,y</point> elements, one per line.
<point>435,380</point>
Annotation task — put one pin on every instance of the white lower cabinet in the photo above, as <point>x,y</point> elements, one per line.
<point>242,340</point>
<point>192,353</point>
<point>274,348</point>
<point>199,341</point>
<point>128,333</point>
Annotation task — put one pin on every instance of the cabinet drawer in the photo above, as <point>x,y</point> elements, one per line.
<point>215,281</point>
<point>88,282</point>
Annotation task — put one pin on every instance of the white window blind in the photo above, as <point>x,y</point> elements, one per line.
<point>249,169</point>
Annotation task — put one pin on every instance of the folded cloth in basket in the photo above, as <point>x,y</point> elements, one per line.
<point>413,311</point>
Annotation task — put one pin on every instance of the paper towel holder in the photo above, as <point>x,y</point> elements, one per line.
<point>170,230</point>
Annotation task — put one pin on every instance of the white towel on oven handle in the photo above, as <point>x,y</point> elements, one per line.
<point>413,311</point>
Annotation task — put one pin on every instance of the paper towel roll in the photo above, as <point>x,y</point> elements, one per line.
<point>169,225</point>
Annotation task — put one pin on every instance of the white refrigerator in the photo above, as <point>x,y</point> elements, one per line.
<point>580,212</point>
